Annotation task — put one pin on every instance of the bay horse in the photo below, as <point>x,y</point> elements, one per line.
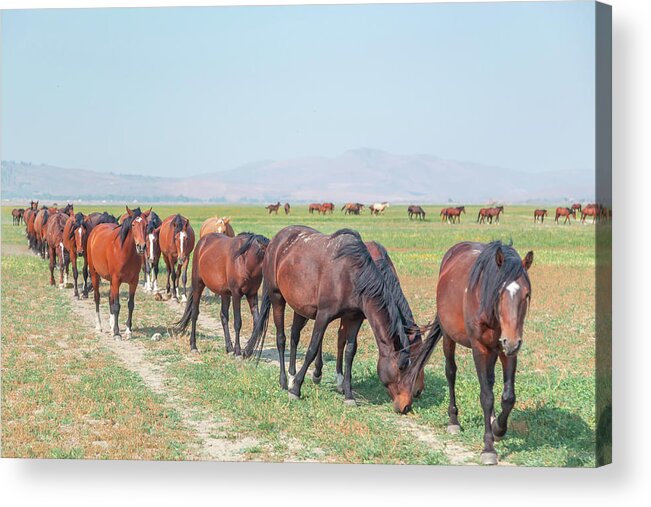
<point>29,217</point>
<point>315,206</point>
<point>352,208</point>
<point>273,208</point>
<point>327,207</point>
<point>176,240</point>
<point>567,213</point>
<point>75,238</point>
<point>40,222</point>
<point>590,210</point>
<point>328,277</point>
<point>483,215</point>
<point>287,208</point>
<point>539,215</point>
<point>576,207</point>
<point>416,211</point>
<point>482,298</point>
<point>454,214</point>
<point>494,214</point>
<point>382,260</point>
<point>231,268</point>
<point>222,225</point>
<point>56,249</point>
<point>152,252</point>
<point>17,215</point>
<point>115,253</point>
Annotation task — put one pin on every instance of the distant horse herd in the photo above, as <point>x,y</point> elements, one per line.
<point>598,212</point>
<point>482,294</point>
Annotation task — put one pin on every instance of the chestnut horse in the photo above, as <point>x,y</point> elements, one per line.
<point>40,223</point>
<point>494,214</point>
<point>115,253</point>
<point>75,237</point>
<point>17,215</point>
<point>222,225</point>
<point>576,207</point>
<point>384,264</point>
<point>176,240</point>
<point>539,215</point>
<point>273,208</point>
<point>232,268</point>
<point>54,239</point>
<point>315,206</point>
<point>454,214</point>
<point>325,278</point>
<point>482,299</point>
<point>29,218</point>
<point>152,252</point>
<point>590,210</point>
<point>567,213</point>
<point>327,207</point>
<point>483,215</point>
<point>352,208</point>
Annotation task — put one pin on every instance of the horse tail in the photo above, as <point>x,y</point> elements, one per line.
<point>478,216</point>
<point>182,325</point>
<point>260,326</point>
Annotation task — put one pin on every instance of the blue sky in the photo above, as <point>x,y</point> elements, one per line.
<point>180,91</point>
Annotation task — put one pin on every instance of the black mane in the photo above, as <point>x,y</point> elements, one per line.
<point>250,239</point>
<point>178,223</point>
<point>341,232</point>
<point>491,278</point>
<point>126,224</point>
<point>79,222</point>
<point>153,222</point>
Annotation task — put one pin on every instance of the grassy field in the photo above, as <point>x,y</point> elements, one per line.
<point>64,390</point>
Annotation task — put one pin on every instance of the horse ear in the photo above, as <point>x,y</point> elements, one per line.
<point>146,213</point>
<point>528,260</point>
<point>499,257</point>
<point>227,220</point>
<point>129,211</point>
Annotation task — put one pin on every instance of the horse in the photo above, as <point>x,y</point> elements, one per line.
<point>40,223</point>
<point>352,208</point>
<point>566,212</point>
<point>385,265</point>
<point>576,207</point>
<point>54,240</point>
<point>315,206</point>
<point>176,240</point>
<point>152,252</point>
<point>17,215</point>
<point>287,208</point>
<point>539,215</point>
<point>29,217</point>
<point>75,238</point>
<point>378,208</point>
<point>232,268</point>
<point>115,253</point>
<point>273,208</point>
<point>483,215</point>
<point>327,207</point>
<point>494,214</point>
<point>328,277</point>
<point>591,210</point>
<point>482,298</point>
<point>416,211</point>
<point>222,225</point>
<point>454,214</point>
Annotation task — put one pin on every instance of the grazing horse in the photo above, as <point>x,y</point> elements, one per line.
<point>327,207</point>
<point>75,237</point>
<point>482,299</point>
<point>576,207</point>
<point>352,208</point>
<point>315,206</point>
<point>567,213</point>
<point>54,239</point>
<point>384,264</point>
<point>416,211</point>
<point>494,214</point>
<point>378,208</point>
<point>590,210</point>
<point>328,277</point>
<point>454,214</point>
<point>152,252</point>
<point>17,215</point>
<point>232,268</point>
<point>273,208</point>
<point>539,215</point>
<point>115,253</point>
<point>222,225</point>
<point>176,240</point>
<point>287,208</point>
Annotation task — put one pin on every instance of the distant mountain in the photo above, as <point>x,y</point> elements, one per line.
<point>363,175</point>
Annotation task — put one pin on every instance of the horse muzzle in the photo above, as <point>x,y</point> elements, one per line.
<point>140,249</point>
<point>510,347</point>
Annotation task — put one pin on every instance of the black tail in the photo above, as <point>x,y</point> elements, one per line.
<point>256,342</point>
<point>182,325</point>
<point>433,337</point>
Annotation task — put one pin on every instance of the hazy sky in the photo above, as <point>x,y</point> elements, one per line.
<point>179,91</point>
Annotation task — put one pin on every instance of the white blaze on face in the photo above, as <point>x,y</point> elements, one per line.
<point>182,236</point>
<point>151,247</point>
<point>513,288</point>
<point>138,219</point>
<point>79,232</point>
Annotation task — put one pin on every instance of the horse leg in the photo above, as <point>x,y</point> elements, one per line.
<point>341,343</point>
<point>485,365</point>
<point>185,278</point>
<point>169,273</point>
<point>114,307</point>
<point>51,269</point>
<point>278,307</point>
<point>499,425</point>
<point>75,274</point>
<point>449,347</point>
<point>146,269</point>
<point>226,304</point>
<point>318,365</point>
<point>132,300</point>
<point>176,275</point>
<point>320,325</point>
<point>197,290</point>
<point>155,279</point>
<point>84,293</point>
<point>95,281</point>
<point>237,321</point>
<point>297,326</point>
<point>352,325</point>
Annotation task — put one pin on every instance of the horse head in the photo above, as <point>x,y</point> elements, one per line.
<point>79,232</point>
<point>137,224</point>
<point>181,239</point>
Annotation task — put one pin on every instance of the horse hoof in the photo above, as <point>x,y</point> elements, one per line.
<point>316,378</point>
<point>497,438</point>
<point>184,299</point>
<point>293,397</point>
<point>454,429</point>
<point>76,296</point>
<point>194,351</point>
<point>291,381</point>
<point>488,458</point>
<point>350,403</point>
<point>117,337</point>
<point>84,296</point>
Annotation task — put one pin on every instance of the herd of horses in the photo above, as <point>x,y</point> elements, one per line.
<point>482,296</point>
<point>598,212</point>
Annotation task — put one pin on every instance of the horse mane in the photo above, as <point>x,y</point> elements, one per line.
<point>341,232</point>
<point>125,227</point>
<point>178,222</point>
<point>107,218</point>
<point>250,239</point>
<point>153,222</point>
<point>492,279</point>
<point>373,283</point>
<point>79,222</point>
<point>46,215</point>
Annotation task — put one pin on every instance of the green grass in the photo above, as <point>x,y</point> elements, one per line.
<point>553,422</point>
